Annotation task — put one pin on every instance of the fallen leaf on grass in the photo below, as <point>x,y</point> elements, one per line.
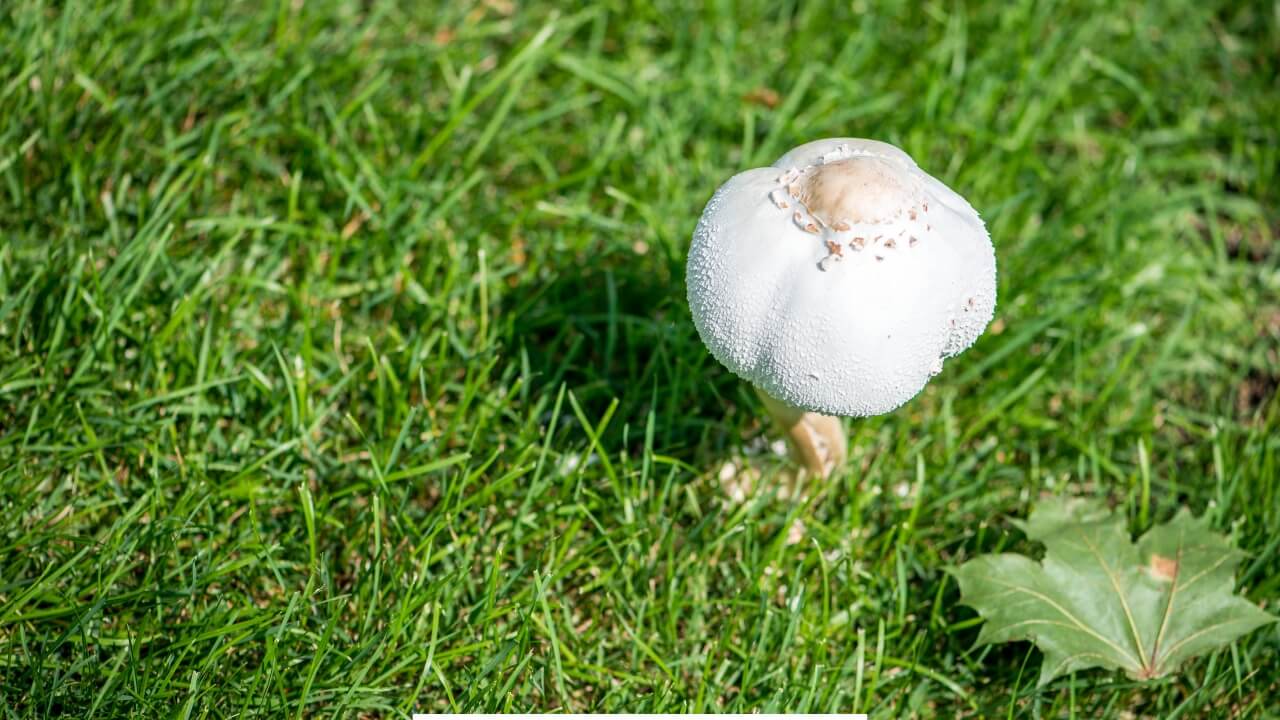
<point>1100,600</point>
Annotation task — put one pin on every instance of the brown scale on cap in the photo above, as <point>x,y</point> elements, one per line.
<point>805,224</point>
<point>858,189</point>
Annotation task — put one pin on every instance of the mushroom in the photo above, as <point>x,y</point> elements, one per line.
<point>836,281</point>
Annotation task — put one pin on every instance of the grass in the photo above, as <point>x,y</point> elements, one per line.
<point>345,366</point>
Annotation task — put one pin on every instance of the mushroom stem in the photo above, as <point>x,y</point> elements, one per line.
<point>816,441</point>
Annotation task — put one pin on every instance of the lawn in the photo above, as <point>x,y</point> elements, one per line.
<point>346,367</point>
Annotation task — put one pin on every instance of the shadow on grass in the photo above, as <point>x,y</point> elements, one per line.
<point>618,328</point>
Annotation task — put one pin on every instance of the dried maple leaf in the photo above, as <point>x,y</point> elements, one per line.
<point>1100,600</point>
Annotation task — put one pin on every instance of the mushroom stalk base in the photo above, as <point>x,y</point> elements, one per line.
<point>817,442</point>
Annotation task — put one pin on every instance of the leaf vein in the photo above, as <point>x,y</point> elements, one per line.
<point>1115,585</point>
<point>1066,613</point>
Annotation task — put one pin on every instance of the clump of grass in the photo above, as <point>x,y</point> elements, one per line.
<point>345,367</point>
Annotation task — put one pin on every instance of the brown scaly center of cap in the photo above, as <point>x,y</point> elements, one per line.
<point>854,190</point>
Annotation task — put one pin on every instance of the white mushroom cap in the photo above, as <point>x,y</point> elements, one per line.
<point>838,279</point>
